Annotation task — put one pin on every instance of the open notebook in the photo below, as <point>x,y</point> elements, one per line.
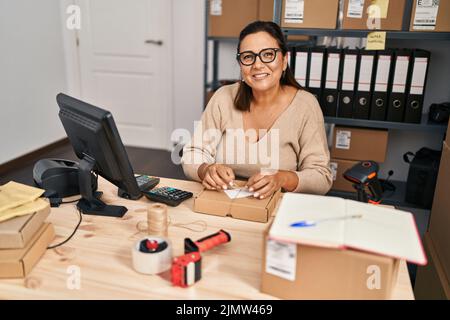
<point>338,223</point>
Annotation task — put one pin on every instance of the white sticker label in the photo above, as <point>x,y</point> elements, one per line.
<point>300,68</point>
<point>382,76</point>
<point>426,13</point>
<point>401,73</point>
<point>332,71</point>
<point>215,7</point>
<point>348,79</point>
<point>365,73</point>
<point>334,167</point>
<point>355,9</point>
<point>418,76</point>
<point>315,72</point>
<point>343,138</point>
<point>281,259</point>
<point>294,11</point>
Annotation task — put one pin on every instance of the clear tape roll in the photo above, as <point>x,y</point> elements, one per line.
<point>152,262</point>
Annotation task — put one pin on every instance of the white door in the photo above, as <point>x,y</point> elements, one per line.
<point>125,62</point>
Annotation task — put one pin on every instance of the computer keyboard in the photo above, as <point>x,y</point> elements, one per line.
<point>168,195</point>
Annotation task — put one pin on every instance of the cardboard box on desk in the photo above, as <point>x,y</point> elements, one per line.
<point>337,249</point>
<point>17,232</point>
<point>353,143</point>
<point>324,273</point>
<point>356,17</point>
<point>18,263</point>
<point>440,211</point>
<point>431,281</point>
<point>219,204</point>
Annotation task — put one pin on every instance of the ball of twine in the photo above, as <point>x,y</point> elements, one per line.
<point>157,220</point>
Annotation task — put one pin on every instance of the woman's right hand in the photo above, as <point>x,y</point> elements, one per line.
<point>216,176</point>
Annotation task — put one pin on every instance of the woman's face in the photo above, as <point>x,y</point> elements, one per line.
<point>262,76</point>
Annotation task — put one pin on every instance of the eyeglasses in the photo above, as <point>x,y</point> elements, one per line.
<point>247,58</point>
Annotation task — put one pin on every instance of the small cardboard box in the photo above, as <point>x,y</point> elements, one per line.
<point>325,273</point>
<point>338,167</point>
<point>229,17</point>
<point>18,263</point>
<point>353,143</point>
<point>440,211</point>
<point>314,14</point>
<point>357,20</point>
<point>431,281</point>
<point>15,233</point>
<point>427,14</point>
<point>219,204</point>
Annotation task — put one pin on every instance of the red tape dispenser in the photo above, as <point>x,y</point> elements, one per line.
<point>187,269</point>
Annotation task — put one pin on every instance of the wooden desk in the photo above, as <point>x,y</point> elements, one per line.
<point>101,248</point>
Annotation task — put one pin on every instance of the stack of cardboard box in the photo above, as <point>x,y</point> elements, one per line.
<point>351,145</point>
<point>23,241</point>
<point>433,280</point>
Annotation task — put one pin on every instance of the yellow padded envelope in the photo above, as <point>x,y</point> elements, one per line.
<point>19,199</point>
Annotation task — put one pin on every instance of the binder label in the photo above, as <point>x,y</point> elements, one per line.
<point>343,138</point>
<point>315,73</point>
<point>355,9</point>
<point>401,73</point>
<point>332,71</point>
<point>294,10</point>
<point>418,76</point>
<point>281,259</point>
<point>215,7</point>
<point>348,79</point>
<point>300,68</point>
<point>426,13</point>
<point>382,77</point>
<point>365,73</point>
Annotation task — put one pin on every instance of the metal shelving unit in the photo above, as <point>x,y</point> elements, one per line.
<point>396,198</point>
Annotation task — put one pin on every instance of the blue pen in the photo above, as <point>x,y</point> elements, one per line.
<point>312,223</point>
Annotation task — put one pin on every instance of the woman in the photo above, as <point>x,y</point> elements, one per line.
<point>270,107</point>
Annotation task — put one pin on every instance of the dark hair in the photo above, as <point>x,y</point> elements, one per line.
<point>244,95</point>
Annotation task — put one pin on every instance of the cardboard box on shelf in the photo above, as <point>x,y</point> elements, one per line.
<point>228,17</point>
<point>431,281</point>
<point>218,203</point>
<point>326,273</point>
<point>16,232</point>
<point>18,263</point>
<point>338,167</point>
<point>356,17</point>
<point>440,212</point>
<point>310,14</point>
<point>430,16</point>
<point>353,143</point>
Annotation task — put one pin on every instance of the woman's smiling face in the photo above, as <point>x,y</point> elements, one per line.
<point>262,76</point>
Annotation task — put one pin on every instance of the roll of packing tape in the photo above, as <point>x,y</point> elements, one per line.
<point>152,255</point>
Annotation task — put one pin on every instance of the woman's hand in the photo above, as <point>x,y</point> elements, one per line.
<point>264,185</point>
<point>216,176</point>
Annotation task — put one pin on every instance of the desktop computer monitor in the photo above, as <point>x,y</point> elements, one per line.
<point>96,142</point>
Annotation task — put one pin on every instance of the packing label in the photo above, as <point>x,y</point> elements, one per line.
<point>294,11</point>
<point>334,167</point>
<point>343,138</point>
<point>281,259</point>
<point>215,8</point>
<point>426,13</point>
<point>355,9</point>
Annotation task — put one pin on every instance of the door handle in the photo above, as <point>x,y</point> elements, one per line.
<point>157,42</point>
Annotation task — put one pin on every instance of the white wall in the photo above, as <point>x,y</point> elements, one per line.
<point>32,73</point>
<point>189,57</point>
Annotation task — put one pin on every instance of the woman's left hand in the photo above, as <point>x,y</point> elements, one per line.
<point>265,185</point>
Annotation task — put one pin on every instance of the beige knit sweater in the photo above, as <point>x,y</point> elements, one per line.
<point>296,142</point>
